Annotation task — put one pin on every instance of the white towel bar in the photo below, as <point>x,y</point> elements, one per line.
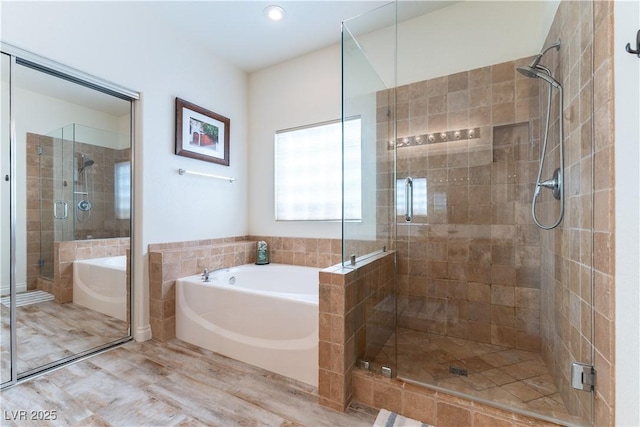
<point>186,172</point>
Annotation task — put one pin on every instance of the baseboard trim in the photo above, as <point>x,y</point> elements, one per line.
<point>20,287</point>
<point>142,333</point>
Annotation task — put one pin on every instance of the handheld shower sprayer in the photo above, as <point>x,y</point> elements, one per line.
<point>556,183</point>
<point>86,162</point>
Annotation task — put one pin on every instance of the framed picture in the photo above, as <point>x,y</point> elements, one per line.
<point>201,134</point>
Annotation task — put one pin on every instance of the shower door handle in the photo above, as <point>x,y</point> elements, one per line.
<point>65,209</point>
<point>408,199</point>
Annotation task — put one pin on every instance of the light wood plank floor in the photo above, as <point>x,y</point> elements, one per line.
<point>171,384</point>
<point>48,331</point>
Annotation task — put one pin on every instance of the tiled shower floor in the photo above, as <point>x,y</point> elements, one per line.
<point>510,377</point>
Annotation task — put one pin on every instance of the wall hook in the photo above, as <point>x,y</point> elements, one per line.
<point>637,49</point>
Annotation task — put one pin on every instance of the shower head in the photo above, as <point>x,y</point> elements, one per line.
<point>86,162</point>
<point>535,70</point>
<point>538,57</point>
<point>539,72</point>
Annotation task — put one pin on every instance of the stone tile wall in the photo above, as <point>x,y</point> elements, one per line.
<point>577,275</point>
<point>436,408</point>
<point>49,178</point>
<point>310,252</point>
<point>469,265</point>
<point>348,299</point>
<point>170,261</point>
<point>66,252</point>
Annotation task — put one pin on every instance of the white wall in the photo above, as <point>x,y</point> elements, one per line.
<point>461,37</point>
<point>299,92</point>
<point>126,46</point>
<point>627,179</point>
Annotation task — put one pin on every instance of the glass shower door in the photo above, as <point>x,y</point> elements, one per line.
<point>490,305</point>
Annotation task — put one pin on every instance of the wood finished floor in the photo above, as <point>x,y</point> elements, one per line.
<point>172,384</point>
<point>48,332</point>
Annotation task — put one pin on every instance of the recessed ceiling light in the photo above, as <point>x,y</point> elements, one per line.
<point>275,13</point>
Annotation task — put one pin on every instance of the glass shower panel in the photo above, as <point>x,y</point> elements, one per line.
<point>490,305</point>
<point>368,95</point>
<point>56,224</point>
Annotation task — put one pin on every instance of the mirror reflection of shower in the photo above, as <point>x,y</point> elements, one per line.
<point>84,189</point>
<point>556,183</point>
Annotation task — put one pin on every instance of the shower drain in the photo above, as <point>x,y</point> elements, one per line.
<point>456,370</point>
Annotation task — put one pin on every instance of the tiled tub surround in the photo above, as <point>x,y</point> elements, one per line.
<point>170,261</point>
<point>45,184</point>
<point>66,252</point>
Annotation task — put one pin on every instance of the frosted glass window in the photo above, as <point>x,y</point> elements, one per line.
<point>308,172</point>
<point>419,196</point>
<point>122,186</point>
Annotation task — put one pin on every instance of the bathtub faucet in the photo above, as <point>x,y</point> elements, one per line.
<point>206,274</point>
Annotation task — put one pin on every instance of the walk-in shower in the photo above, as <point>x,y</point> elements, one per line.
<point>77,186</point>
<point>487,303</point>
<point>556,183</point>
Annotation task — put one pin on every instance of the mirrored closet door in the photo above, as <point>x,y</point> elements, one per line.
<point>66,216</point>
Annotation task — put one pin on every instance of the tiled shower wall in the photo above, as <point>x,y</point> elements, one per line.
<point>36,229</point>
<point>577,264</point>
<point>103,222</point>
<point>469,263</point>
<point>45,185</point>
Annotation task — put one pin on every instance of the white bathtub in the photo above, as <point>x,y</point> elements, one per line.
<point>264,315</point>
<point>100,284</point>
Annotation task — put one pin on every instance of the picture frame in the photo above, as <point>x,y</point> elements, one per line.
<point>201,134</point>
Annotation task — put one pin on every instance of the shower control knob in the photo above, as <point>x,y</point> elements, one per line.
<point>84,205</point>
<point>6,177</point>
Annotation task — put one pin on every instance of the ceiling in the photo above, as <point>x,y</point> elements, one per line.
<point>238,31</point>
